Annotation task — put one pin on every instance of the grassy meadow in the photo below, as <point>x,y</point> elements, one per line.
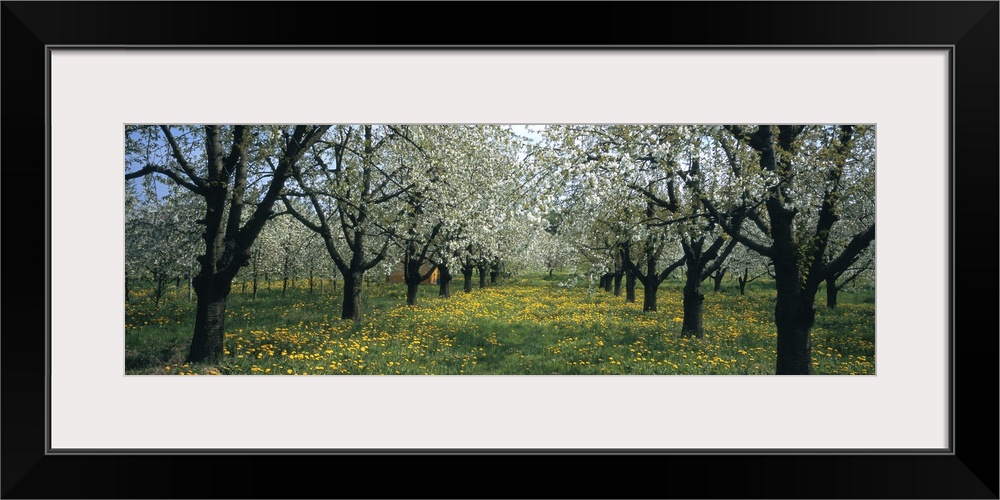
<point>522,326</point>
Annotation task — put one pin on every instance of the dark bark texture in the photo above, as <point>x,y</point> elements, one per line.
<point>352,307</point>
<point>444,281</point>
<point>467,271</point>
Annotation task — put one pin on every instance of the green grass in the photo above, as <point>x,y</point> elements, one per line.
<point>523,326</point>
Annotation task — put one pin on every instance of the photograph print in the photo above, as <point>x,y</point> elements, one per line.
<point>482,249</point>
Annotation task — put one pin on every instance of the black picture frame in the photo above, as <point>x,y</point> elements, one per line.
<point>969,28</point>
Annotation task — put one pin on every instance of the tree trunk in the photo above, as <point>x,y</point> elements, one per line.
<point>127,299</point>
<point>255,272</point>
<point>693,299</point>
<point>618,283</point>
<point>831,292</point>
<point>482,276</point>
<point>310,282</point>
<point>608,279</point>
<point>284,286</point>
<point>411,293</point>
<point>794,343</point>
<point>411,276</point>
<point>743,284</point>
<point>160,290</point>
<point>550,273</point>
<point>793,317</point>
<point>717,277</point>
<point>444,281</point>
<point>209,321</point>
<point>629,286</point>
<point>600,283</point>
<point>352,296</point>
<point>494,273</point>
<point>649,296</point>
<point>651,281</point>
<point>467,275</point>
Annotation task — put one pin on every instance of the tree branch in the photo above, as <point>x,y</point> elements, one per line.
<point>174,176</point>
<point>734,231</point>
<point>857,244</point>
<point>179,156</point>
<point>669,269</point>
<point>856,273</point>
<point>720,258</point>
<point>379,256</point>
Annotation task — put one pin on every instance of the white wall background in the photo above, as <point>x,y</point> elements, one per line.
<point>95,92</point>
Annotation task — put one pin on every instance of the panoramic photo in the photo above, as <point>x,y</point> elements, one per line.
<point>559,249</point>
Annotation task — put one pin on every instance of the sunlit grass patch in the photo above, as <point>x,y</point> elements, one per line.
<point>525,326</point>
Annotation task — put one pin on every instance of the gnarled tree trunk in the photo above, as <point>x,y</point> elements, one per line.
<point>210,319</point>
<point>444,281</point>
<point>649,297</point>
<point>482,275</point>
<point>352,307</point>
<point>717,278</point>
<point>629,286</point>
<point>693,300</point>
<point>467,271</point>
<point>831,292</point>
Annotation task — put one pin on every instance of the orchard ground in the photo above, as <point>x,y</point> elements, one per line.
<point>523,326</point>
